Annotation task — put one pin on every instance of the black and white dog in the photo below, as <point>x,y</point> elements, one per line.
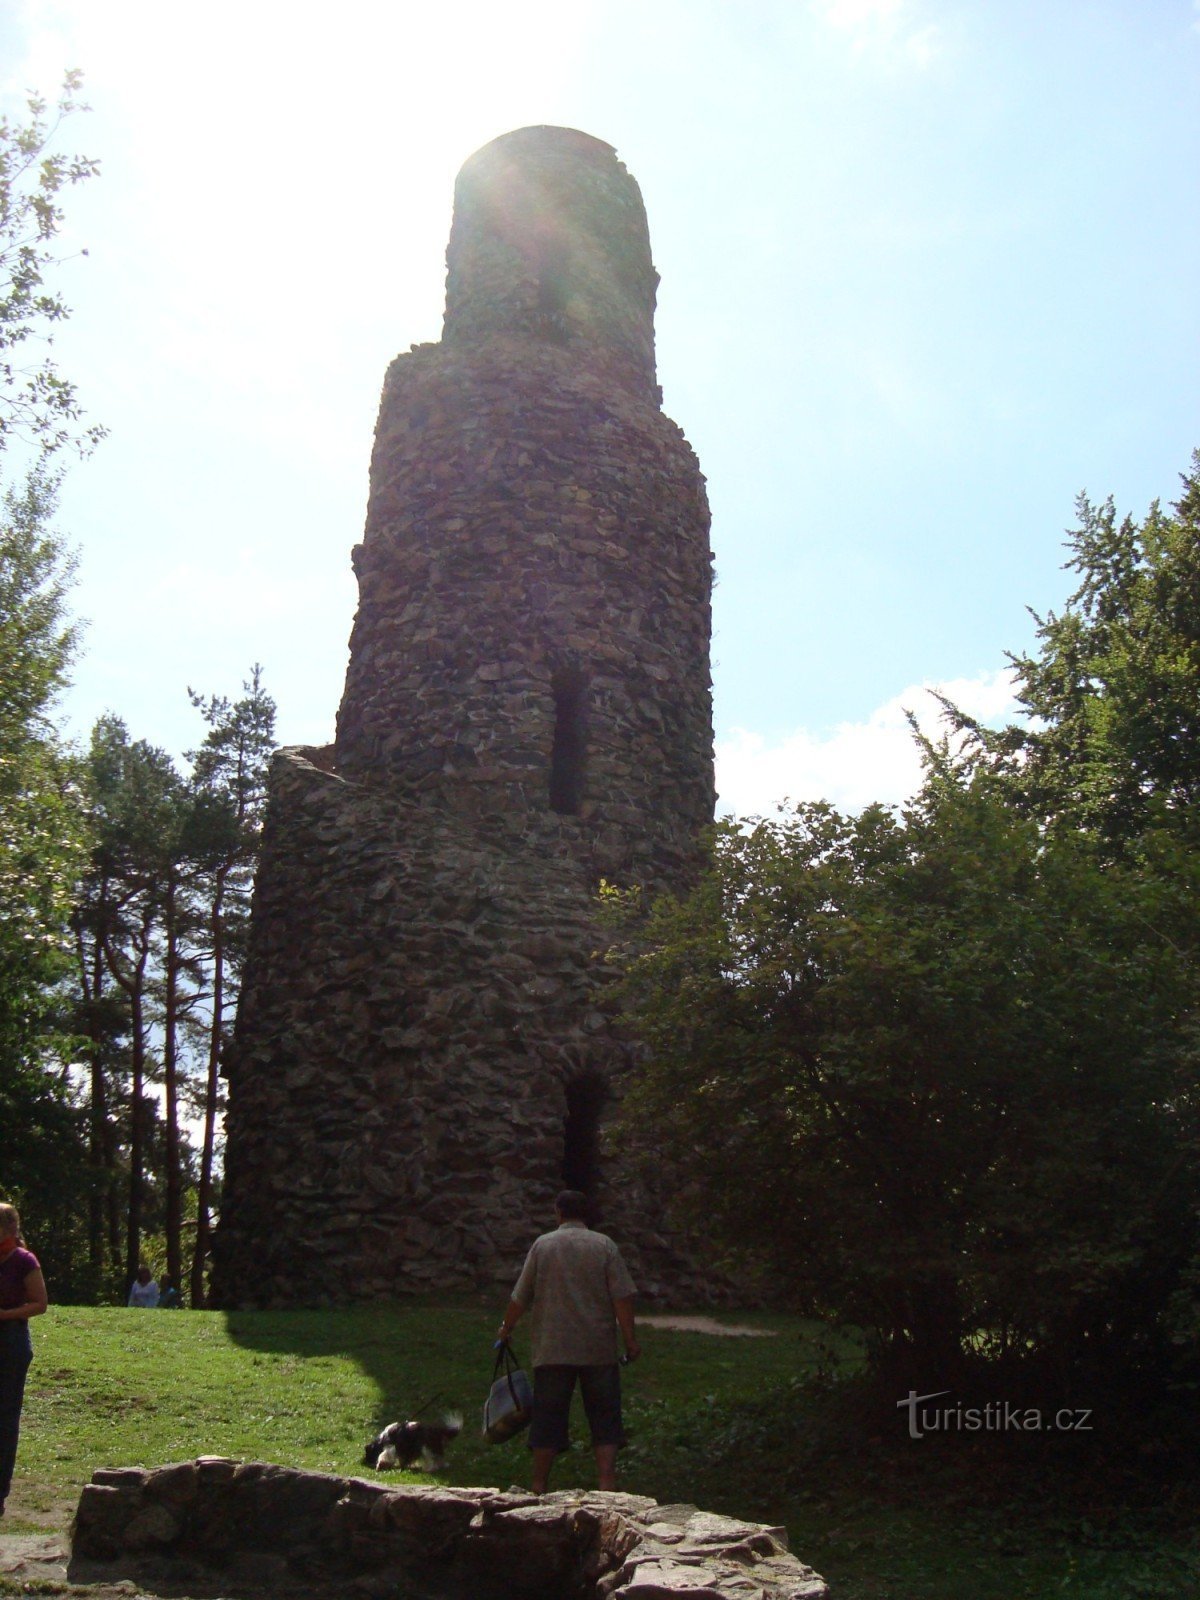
<point>409,1444</point>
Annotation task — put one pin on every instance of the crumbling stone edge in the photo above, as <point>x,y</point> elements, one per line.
<point>257,1526</point>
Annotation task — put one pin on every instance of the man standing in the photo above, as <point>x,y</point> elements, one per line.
<point>580,1292</point>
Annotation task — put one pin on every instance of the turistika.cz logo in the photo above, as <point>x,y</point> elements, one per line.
<point>998,1416</point>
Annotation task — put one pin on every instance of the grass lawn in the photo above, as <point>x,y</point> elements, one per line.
<point>732,1424</point>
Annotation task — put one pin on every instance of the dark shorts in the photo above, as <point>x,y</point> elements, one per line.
<point>553,1387</point>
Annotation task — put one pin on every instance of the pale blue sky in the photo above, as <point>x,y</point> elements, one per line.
<point>929,268</point>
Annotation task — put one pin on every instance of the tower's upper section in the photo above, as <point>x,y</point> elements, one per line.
<point>531,644</point>
<point>549,242</point>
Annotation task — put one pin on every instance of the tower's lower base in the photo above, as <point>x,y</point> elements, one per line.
<point>424,1055</point>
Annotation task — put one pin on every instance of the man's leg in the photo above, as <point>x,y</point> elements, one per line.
<point>601,1390</point>
<point>606,1465</point>
<point>543,1460</point>
<point>553,1387</point>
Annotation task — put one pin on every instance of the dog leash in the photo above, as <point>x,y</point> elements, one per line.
<point>440,1394</point>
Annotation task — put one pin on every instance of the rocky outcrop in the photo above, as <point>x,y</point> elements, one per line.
<point>424,1051</point>
<point>253,1526</point>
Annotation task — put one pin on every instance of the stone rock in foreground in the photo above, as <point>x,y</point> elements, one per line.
<point>199,1526</point>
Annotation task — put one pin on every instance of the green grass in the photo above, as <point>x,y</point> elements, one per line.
<point>735,1425</point>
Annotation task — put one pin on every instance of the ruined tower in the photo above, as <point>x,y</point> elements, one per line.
<point>424,1052</point>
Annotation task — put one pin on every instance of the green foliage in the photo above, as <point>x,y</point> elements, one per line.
<point>42,844</point>
<point>942,1065</point>
<point>1113,692</point>
<point>37,404</point>
<point>136,795</point>
<point>39,831</point>
<point>37,639</point>
<point>159,919</point>
<point>937,1068</point>
<point>1111,747</point>
<point>43,836</point>
<point>229,781</point>
<point>233,758</point>
<point>229,790</point>
<point>136,923</point>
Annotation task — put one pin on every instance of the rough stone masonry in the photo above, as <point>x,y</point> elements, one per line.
<point>424,1050</point>
<point>221,1527</point>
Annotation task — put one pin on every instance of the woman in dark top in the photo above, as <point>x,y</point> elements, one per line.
<point>22,1295</point>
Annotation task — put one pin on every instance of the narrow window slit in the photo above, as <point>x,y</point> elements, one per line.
<point>586,1097</point>
<point>568,756</point>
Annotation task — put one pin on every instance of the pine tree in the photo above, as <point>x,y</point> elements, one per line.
<point>229,780</point>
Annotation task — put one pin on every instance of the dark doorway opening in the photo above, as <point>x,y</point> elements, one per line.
<point>568,755</point>
<point>586,1099</point>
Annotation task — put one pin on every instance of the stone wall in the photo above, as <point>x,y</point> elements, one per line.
<point>217,1525</point>
<point>424,1050</point>
<point>549,243</point>
<point>425,997</point>
<point>527,524</point>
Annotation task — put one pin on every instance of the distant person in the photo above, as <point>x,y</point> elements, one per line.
<point>580,1293</point>
<point>144,1290</point>
<point>168,1295</point>
<point>22,1295</point>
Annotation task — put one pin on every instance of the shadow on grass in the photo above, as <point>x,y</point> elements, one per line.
<point>415,1355</point>
<point>734,1425</point>
<point>411,1354</point>
<point>761,1428</point>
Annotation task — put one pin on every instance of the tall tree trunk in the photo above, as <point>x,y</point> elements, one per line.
<point>174,1183</point>
<point>104,1203</point>
<point>133,982</point>
<point>932,1353</point>
<point>91,982</point>
<point>204,1198</point>
<point>133,1212</point>
<point>231,767</point>
<point>97,1152</point>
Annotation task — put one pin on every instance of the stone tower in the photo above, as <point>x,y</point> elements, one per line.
<point>423,1052</point>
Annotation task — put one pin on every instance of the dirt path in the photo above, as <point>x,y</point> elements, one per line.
<point>33,1566</point>
<point>726,1330</point>
<point>39,1558</point>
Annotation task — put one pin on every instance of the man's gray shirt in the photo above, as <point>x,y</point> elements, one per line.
<point>570,1279</point>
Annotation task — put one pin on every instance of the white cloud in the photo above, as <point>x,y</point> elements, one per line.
<point>856,763</point>
<point>884,29</point>
<point>857,15</point>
